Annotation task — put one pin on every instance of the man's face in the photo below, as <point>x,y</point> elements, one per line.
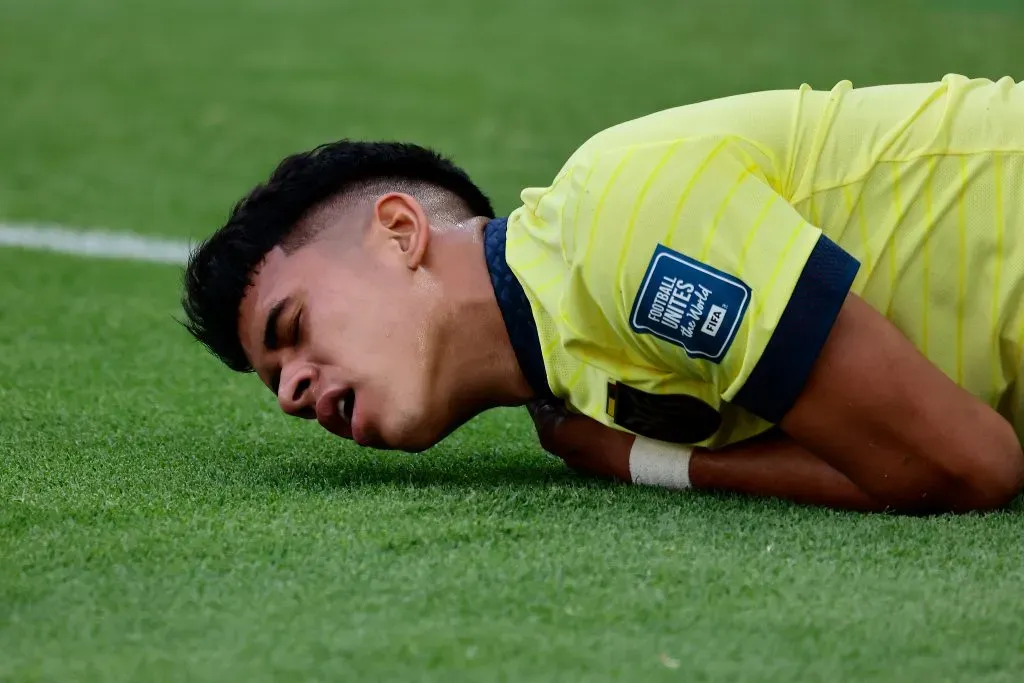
<point>340,330</point>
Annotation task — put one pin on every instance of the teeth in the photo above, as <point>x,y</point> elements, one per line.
<point>342,407</point>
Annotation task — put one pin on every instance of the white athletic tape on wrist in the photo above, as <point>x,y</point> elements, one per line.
<point>656,463</point>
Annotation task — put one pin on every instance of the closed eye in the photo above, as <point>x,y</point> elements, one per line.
<point>293,335</point>
<point>297,329</point>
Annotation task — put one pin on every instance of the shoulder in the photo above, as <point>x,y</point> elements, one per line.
<point>762,119</point>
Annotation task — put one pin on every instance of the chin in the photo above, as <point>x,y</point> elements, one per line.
<point>418,442</point>
<point>418,431</point>
<point>418,438</point>
<point>405,444</point>
<point>406,438</point>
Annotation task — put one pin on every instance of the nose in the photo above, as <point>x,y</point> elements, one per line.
<point>295,394</point>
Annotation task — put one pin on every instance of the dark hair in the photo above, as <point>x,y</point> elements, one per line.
<point>220,269</point>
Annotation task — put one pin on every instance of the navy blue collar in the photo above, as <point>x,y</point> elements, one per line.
<point>515,309</point>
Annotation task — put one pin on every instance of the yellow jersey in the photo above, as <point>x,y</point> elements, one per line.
<point>683,270</point>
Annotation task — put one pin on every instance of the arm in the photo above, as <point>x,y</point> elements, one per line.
<point>878,411</point>
<point>875,427</point>
<point>772,466</point>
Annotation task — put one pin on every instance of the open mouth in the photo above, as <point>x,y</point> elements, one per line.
<point>347,405</point>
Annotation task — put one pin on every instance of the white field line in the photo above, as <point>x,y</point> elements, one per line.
<point>93,243</point>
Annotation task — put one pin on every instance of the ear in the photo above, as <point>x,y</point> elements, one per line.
<point>405,225</point>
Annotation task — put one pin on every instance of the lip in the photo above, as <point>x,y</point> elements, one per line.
<point>329,418</point>
<point>355,427</point>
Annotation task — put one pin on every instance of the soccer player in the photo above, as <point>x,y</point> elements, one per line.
<point>811,295</point>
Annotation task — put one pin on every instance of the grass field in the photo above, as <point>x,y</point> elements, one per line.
<point>160,520</point>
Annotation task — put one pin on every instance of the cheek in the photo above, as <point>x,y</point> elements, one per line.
<point>374,326</point>
<point>330,335</point>
<point>358,335</point>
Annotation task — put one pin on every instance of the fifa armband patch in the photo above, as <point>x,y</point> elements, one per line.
<point>689,304</point>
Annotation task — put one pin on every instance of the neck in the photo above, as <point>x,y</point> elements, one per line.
<point>479,363</point>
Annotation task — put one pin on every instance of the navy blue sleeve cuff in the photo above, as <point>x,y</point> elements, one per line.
<point>781,373</point>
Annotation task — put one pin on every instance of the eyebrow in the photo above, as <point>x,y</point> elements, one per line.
<point>270,340</point>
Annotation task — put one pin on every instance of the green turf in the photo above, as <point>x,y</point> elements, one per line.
<point>159,520</point>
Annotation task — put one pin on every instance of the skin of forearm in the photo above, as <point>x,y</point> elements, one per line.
<point>778,468</point>
<point>772,466</point>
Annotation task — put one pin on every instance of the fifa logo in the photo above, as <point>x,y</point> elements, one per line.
<point>689,304</point>
<point>716,315</point>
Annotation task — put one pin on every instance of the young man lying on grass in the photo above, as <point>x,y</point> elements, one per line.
<point>811,295</point>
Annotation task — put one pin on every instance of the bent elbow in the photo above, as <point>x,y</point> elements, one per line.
<point>996,484</point>
<point>987,475</point>
<point>997,474</point>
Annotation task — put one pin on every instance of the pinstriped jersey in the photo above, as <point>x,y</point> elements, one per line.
<point>696,258</point>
